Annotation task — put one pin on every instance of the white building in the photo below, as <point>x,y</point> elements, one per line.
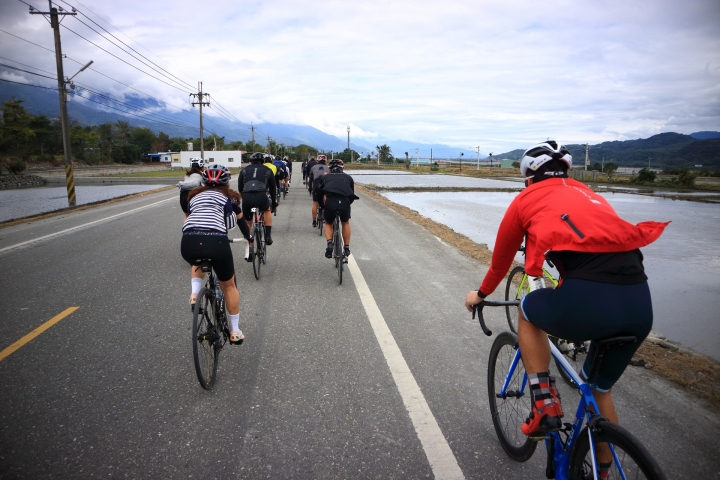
<point>229,158</point>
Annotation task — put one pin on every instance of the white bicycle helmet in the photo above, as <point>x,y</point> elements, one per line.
<point>538,155</point>
<point>196,161</point>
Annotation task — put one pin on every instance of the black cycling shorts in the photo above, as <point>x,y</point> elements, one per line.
<point>252,200</point>
<point>580,310</point>
<point>280,175</point>
<point>336,206</point>
<point>216,248</point>
<point>183,200</point>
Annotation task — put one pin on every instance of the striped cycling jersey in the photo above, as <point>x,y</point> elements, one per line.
<point>210,210</point>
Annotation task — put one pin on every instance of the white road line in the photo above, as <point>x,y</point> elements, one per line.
<point>441,458</point>
<point>79,227</point>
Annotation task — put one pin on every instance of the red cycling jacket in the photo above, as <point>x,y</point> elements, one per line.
<point>561,214</point>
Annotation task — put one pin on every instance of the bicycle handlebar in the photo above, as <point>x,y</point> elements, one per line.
<point>478,308</point>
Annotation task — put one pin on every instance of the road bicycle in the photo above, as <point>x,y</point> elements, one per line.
<point>517,286</point>
<point>338,248</point>
<point>284,190</point>
<point>320,219</point>
<point>210,329</point>
<point>572,452</point>
<point>259,248</point>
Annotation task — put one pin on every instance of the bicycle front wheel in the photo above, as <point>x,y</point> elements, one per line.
<point>632,458</point>
<point>516,288</point>
<point>509,411</point>
<point>206,337</point>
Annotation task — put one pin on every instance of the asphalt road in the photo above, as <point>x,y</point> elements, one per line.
<point>316,391</point>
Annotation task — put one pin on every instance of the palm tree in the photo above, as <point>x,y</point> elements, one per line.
<point>384,152</point>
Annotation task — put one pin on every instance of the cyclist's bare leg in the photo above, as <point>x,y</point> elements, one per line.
<point>346,232</point>
<point>268,218</point>
<point>232,296</point>
<point>534,346</point>
<point>607,410</point>
<point>314,210</point>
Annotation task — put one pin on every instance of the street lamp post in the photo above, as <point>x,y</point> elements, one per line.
<point>461,157</point>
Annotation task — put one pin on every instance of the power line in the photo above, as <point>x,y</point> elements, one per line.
<point>122,33</point>
<point>25,65</point>
<point>28,41</point>
<point>28,84</point>
<point>181,82</point>
<point>133,66</point>
<point>128,46</point>
<point>26,71</point>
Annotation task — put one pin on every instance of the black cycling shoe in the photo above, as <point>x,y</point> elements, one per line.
<point>328,252</point>
<point>314,224</point>
<point>346,251</point>
<point>268,240</point>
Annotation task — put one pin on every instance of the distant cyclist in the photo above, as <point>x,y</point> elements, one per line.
<point>288,166</point>
<point>281,174</point>
<point>302,170</point>
<point>256,180</point>
<point>212,211</point>
<point>307,170</point>
<point>193,179</point>
<point>318,171</point>
<point>603,289</point>
<point>336,192</point>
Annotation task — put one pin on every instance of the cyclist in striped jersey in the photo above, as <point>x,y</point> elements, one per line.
<point>213,208</point>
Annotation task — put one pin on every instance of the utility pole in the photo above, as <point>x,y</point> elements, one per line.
<point>490,159</point>
<point>461,157</point>
<point>252,128</point>
<point>478,163</point>
<point>200,97</point>
<point>62,94</point>
<point>268,146</point>
<point>587,155</point>
<point>349,151</point>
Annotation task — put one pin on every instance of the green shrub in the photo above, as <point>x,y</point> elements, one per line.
<point>16,166</point>
<point>516,164</point>
<point>434,167</point>
<point>686,178</point>
<point>644,176</point>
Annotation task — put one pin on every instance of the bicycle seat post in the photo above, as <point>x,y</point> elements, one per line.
<point>601,347</point>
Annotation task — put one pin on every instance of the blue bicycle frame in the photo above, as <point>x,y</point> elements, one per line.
<point>586,410</point>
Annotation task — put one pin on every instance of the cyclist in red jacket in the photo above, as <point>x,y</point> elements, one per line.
<point>603,289</point>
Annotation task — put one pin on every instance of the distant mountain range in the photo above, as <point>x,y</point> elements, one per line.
<point>665,149</point>
<point>38,101</point>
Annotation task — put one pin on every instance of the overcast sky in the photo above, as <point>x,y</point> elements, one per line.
<point>501,75</point>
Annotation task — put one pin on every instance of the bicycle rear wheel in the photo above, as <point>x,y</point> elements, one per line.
<point>509,413</point>
<point>516,288</point>
<point>205,337</point>
<point>633,459</point>
<point>257,257</point>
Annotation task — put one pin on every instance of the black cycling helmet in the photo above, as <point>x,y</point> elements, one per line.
<point>216,174</point>
<point>336,166</point>
<point>257,157</point>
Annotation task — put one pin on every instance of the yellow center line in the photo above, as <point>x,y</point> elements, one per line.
<point>17,345</point>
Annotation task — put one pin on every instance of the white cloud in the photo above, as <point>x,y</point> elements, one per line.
<point>498,74</point>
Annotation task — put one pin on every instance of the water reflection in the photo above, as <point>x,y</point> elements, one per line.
<point>682,265</point>
<point>19,203</point>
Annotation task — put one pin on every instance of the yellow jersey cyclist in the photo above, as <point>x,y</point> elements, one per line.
<point>212,211</point>
<point>603,290</point>
<point>255,182</point>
